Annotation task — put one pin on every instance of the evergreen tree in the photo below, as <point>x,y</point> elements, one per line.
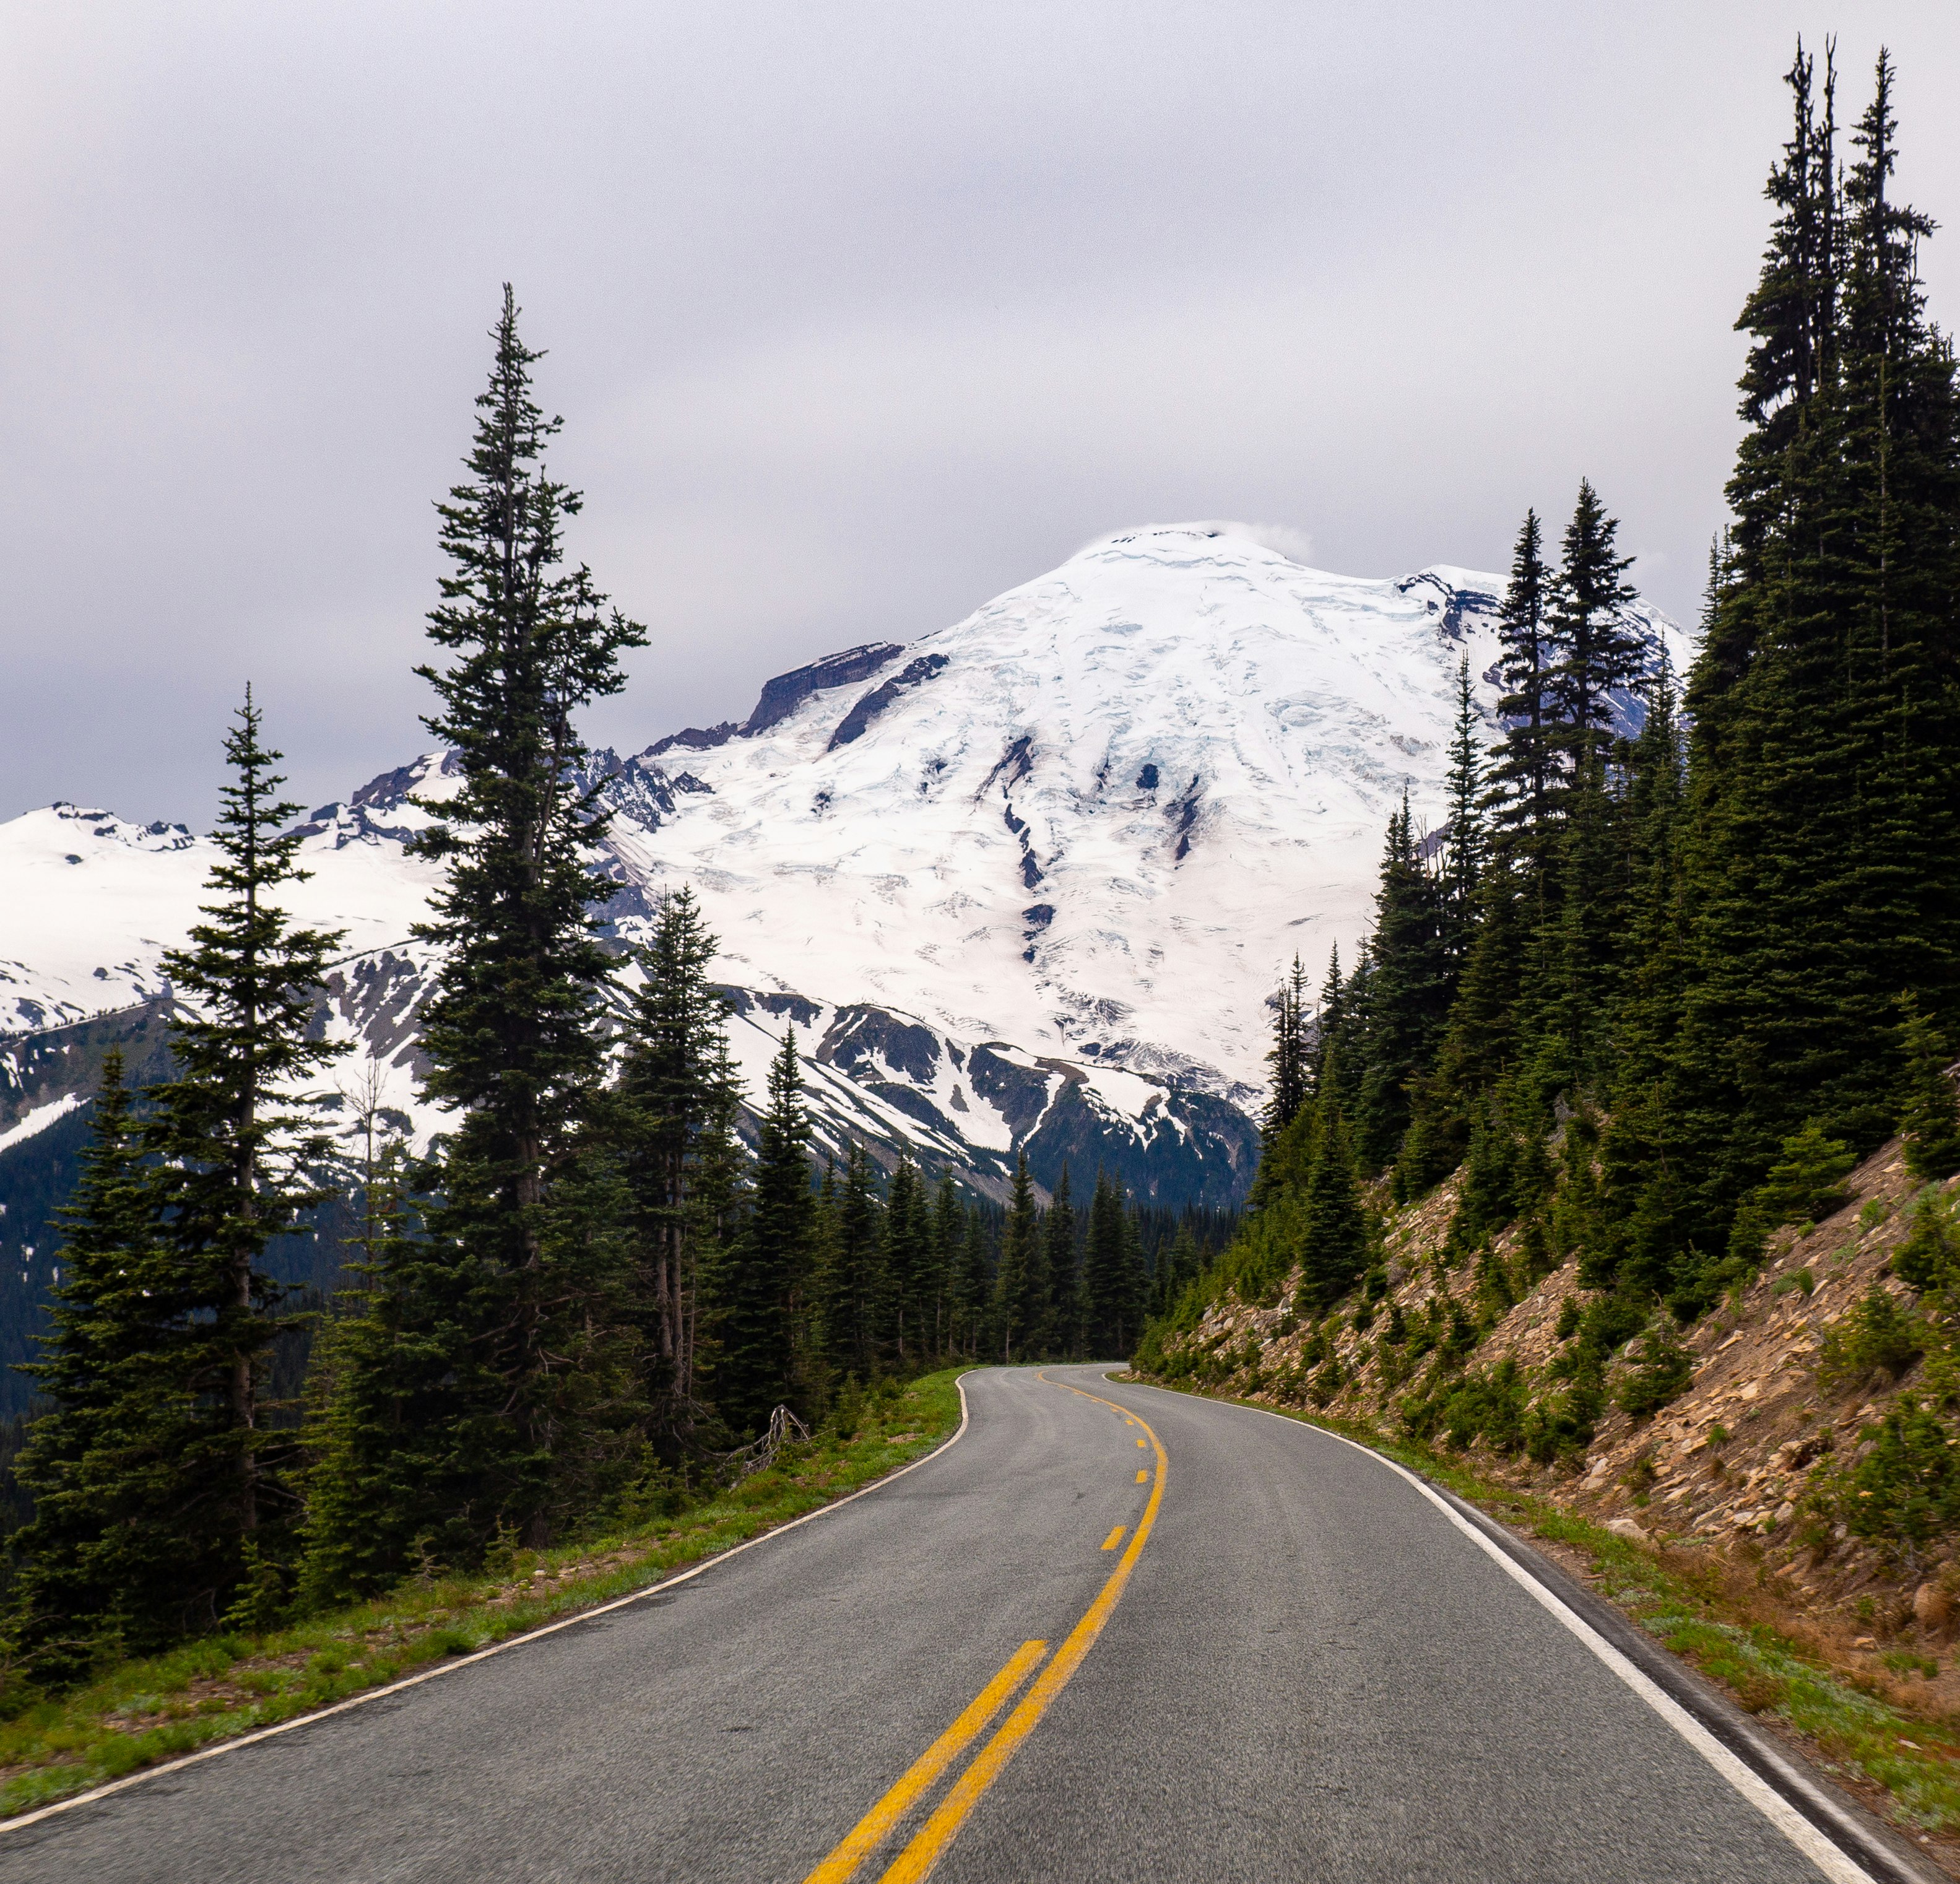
<point>1114,1321</point>
<point>1021,1287</point>
<point>1929,1115</point>
<point>1334,1239</point>
<point>1824,875</point>
<point>1288,1056</point>
<point>105,1566</point>
<point>1524,773</point>
<point>1468,837</point>
<point>949,1245</point>
<point>237,1149</point>
<point>976,1317</point>
<point>768,1270</point>
<point>1066,1305</point>
<point>372,1386</point>
<point>673,1129</point>
<point>853,1304</point>
<point>1408,992</point>
<point>1597,654</point>
<point>908,1264</point>
<point>518,1309</point>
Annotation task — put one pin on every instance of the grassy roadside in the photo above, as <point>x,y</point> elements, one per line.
<point>140,1712</point>
<point>1711,1612</point>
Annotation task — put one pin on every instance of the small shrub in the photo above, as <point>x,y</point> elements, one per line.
<point>1570,1315</point>
<point>1795,1281</point>
<point>1906,1491</point>
<point>1661,1371</point>
<point>1877,1340</point>
<point>1930,1257</point>
<point>1562,1427</point>
<point>847,1415</point>
<point>1930,1117</point>
<point>1805,1184</point>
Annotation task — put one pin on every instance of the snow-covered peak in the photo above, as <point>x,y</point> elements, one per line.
<point>1099,815</point>
<point>1094,820</point>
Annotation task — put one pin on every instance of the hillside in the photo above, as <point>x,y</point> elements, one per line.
<point>1738,1468</point>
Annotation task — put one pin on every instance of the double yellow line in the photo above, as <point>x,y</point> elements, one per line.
<point>929,1841</point>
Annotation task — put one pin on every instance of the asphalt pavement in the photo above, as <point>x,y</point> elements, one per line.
<point>1301,1668</point>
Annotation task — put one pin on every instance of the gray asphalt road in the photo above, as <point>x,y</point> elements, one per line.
<point>1312,1674</point>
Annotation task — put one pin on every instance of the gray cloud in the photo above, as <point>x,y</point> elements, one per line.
<point>858,314</point>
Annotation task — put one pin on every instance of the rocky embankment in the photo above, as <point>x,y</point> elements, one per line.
<point>1729,1466</point>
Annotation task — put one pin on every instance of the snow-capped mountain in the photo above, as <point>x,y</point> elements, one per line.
<point>1022,883</point>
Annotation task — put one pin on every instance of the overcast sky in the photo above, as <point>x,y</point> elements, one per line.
<point>858,315</point>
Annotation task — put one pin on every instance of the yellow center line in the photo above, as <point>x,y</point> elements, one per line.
<point>913,1864</point>
<point>870,1830</point>
<point>1115,1538</point>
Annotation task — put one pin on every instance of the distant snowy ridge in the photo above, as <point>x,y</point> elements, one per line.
<point>1059,852</point>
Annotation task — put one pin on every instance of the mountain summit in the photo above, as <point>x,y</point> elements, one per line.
<point>1022,884</point>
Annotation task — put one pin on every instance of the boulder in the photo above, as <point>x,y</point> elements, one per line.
<point>1628,1528</point>
<point>1932,1608</point>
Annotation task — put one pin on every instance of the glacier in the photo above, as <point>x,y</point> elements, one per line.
<point>1022,884</point>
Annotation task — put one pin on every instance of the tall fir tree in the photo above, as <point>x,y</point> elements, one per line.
<point>1110,1274</point>
<point>1598,652</point>
<point>239,1145</point>
<point>1289,1056</point>
<point>104,1565</point>
<point>911,1291</point>
<point>767,1275</point>
<point>1066,1307</point>
<point>1408,992</point>
<point>672,1131</point>
<point>1524,770</point>
<point>853,1298</point>
<point>518,1309</point>
<point>1467,842</point>
<point>1333,1248</point>
<point>1021,1296</point>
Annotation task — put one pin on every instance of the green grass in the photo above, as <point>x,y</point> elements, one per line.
<point>1696,1609</point>
<point>140,1713</point>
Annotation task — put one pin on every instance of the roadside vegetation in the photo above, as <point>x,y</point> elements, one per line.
<point>135,1713</point>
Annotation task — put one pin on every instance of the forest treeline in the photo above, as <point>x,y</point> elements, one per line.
<point>1690,945</point>
<point>567,1311</point>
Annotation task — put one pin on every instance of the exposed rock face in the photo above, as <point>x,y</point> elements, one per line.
<point>873,703</point>
<point>781,696</point>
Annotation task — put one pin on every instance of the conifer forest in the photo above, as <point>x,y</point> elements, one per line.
<point>1651,997</point>
<point>1644,997</point>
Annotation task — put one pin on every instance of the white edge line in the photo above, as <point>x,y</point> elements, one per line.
<point>481,1655</point>
<point>1829,1857</point>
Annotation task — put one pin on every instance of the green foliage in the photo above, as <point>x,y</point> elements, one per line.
<point>672,1127</point>
<point>1930,1257</point>
<point>1905,1491</point>
<point>506,1336</point>
<point>767,1273</point>
<point>1929,1109</point>
<point>1489,1406</point>
<point>164,1475</point>
<point>1662,1371</point>
<point>1879,1339</point>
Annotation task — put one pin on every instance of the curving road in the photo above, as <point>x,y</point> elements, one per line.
<point>1264,1654</point>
